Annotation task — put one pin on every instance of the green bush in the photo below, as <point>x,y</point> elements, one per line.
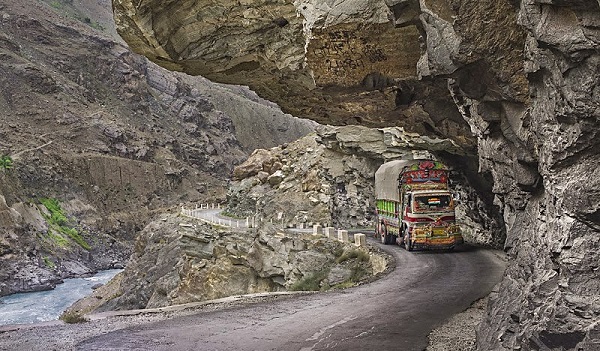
<point>48,262</point>
<point>348,255</point>
<point>57,238</point>
<point>310,282</point>
<point>59,222</point>
<point>56,4</point>
<point>6,162</point>
<point>73,317</point>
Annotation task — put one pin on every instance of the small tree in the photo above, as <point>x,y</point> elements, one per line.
<point>6,162</point>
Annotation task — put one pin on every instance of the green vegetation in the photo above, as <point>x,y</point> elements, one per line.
<point>48,262</point>
<point>72,317</point>
<point>95,25</point>
<point>6,162</point>
<point>58,221</point>
<point>358,272</point>
<point>311,282</point>
<point>56,4</point>
<point>58,239</point>
<point>348,255</point>
<point>67,9</point>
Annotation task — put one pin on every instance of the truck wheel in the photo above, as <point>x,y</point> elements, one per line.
<point>407,243</point>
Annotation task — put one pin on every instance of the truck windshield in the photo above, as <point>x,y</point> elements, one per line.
<point>432,203</point>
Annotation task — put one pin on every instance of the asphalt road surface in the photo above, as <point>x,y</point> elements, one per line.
<point>393,313</point>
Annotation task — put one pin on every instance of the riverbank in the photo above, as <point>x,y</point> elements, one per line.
<point>44,306</point>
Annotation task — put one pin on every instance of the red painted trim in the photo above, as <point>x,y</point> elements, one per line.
<point>428,219</point>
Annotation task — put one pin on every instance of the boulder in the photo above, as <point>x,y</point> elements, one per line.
<point>276,178</point>
<point>260,160</point>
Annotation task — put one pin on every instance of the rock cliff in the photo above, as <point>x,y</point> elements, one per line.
<point>523,75</point>
<point>112,137</point>
<point>178,260</point>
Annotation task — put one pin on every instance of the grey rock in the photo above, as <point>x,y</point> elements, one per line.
<point>176,264</point>
<point>275,178</point>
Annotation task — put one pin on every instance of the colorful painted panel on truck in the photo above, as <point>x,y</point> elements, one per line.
<point>415,207</point>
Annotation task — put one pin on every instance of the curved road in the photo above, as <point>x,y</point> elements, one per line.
<point>393,313</point>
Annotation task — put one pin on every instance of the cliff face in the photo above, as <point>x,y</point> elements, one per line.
<point>111,136</point>
<point>522,74</point>
<point>348,63</point>
<point>178,260</point>
<point>543,154</point>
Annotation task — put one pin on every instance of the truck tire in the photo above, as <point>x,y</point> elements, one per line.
<point>407,243</point>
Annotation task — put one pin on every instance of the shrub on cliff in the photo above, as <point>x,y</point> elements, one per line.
<point>6,162</point>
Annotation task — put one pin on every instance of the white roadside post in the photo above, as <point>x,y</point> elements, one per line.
<point>360,240</point>
<point>343,236</point>
<point>317,229</point>
<point>329,232</point>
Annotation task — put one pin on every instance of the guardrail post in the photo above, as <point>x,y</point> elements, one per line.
<point>329,232</point>
<point>343,236</point>
<point>317,229</point>
<point>360,239</point>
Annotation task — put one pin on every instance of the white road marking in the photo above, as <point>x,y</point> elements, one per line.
<point>320,333</point>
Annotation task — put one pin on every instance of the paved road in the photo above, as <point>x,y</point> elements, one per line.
<point>394,313</point>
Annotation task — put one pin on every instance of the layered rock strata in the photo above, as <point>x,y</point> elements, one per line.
<point>350,62</point>
<point>523,74</point>
<point>179,260</point>
<point>111,136</point>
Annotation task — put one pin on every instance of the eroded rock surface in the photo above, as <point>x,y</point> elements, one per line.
<point>523,74</point>
<point>349,62</point>
<point>178,260</point>
<point>111,136</point>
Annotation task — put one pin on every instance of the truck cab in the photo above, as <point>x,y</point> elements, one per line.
<point>428,220</point>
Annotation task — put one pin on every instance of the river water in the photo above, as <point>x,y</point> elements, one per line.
<point>43,306</point>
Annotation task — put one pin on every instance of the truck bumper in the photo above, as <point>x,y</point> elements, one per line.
<point>438,243</point>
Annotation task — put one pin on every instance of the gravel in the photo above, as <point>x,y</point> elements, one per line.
<point>459,332</point>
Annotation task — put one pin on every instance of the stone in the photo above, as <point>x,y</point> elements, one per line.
<point>338,274</point>
<point>259,160</point>
<point>276,178</point>
<point>262,176</point>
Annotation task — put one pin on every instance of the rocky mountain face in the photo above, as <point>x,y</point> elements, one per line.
<point>95,140</point>
<point>522,74</point>
<point>328,178</point>
<point>178,260</point>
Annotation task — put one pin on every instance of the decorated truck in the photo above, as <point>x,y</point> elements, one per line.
<point>415,207</point>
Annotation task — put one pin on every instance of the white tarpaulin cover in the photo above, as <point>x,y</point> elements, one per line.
<point>386,179</point>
